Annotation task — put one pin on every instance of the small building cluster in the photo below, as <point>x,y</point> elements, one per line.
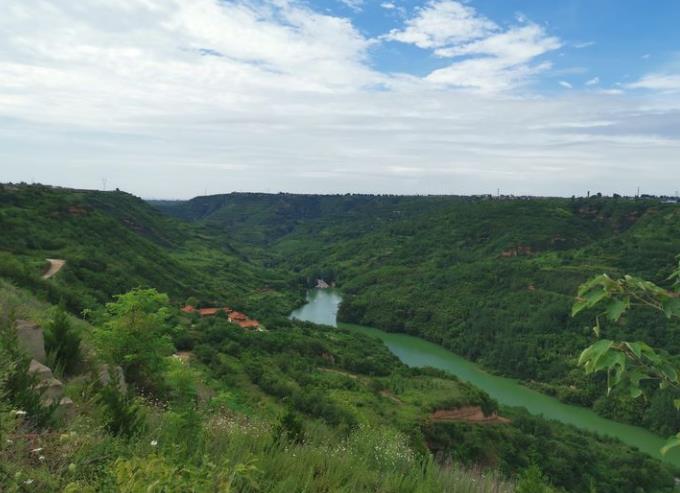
<point>238,318</point>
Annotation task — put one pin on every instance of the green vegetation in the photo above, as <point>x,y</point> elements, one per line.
<point>633,368</point>
<point>209,406</point>
<point>113,242</point>
<point>62,342</point>
<point>298,407</point>
<point>201,431</point>
<point>492,280</point>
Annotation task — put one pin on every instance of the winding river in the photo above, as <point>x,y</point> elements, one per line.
<point>322,308</point>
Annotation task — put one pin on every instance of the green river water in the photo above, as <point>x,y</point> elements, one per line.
<point>322,308</point>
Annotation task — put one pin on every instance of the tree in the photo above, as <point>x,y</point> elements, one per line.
<point>133,334</point>
<point>629,363</point>
<point>532,481</point>
<point>62,342</point>
<point>18,386</point>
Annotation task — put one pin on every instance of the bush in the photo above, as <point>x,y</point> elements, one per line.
<point>18,387</point>
<point>532,481</point>
<point>121,414</point>
<point>289,429</point>
<point>133,334</point>
<point>62,343</point>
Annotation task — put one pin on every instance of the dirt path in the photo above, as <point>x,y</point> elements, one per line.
<point>468,414</point>
<point>55,266</point>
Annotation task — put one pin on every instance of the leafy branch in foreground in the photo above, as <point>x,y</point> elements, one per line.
<point>628,363</point>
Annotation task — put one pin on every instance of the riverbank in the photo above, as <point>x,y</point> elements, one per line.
<point>322,308</point>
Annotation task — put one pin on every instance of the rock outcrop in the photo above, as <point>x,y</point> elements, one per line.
<point>51,389</point>
<point>31,339</point>
<point>108,374</point>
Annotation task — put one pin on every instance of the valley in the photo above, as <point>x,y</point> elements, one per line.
<point>322,308</point>
<point>470,301</point>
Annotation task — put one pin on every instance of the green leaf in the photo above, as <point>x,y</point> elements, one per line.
<point>616,308</point>
<point>676,403</point>
<point>635,348</point>
<point>593,353</point>
<point>635,392</point>
<point>668,372</point>
<point>671,307</point>
<point>670,444</point>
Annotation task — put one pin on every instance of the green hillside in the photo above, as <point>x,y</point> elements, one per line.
<point>492,280</point>
<point>210,406</point>
<point>297,408</point>
<point>114,241</point>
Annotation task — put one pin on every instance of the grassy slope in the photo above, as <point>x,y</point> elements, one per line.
<point>236,419</point>
<point>247,380</point>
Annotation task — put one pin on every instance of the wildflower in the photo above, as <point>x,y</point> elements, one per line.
<point>154,443</point>
<point>28,481</point>
<point>36,450</point>
<point>41,458</point>
<point>19,412</point>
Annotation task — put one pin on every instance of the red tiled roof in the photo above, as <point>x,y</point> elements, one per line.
<point>241,319</point>
<point>238,316</point>
<point>206,312</point>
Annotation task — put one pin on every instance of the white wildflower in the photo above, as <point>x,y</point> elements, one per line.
<point>28,481</point>
<point>154,443</point>
<point>36,450</point>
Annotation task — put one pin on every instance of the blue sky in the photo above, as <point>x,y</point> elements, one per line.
<point>170,98</point>
<point>616,41</point>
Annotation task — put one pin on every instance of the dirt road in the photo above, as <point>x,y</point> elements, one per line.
<point>55,266</point>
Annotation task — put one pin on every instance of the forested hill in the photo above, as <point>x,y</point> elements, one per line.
<point>114,241</point>
<point>291,406</point>
<point>493,280</point>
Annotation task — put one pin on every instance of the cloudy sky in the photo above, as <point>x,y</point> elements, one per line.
<point>175,98</point>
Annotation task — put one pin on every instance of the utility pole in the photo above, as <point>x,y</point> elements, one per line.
<point>104,184</point>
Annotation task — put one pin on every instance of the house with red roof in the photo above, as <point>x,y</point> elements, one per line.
<point>238,318</point>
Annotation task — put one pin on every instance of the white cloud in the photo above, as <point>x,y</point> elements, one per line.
<point>488,74</point>
<point>388,5</point>
<point>611,92</point>
<point>566,84</point>
<point>166,97</point>
<point>515,46</point>
<point>441,23</point>
<point>355,5</point>
<point>494,59</point>
<point>593,82</point>
<point>501,61</point>
<point>583,44</point>
<point>657,82</point>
